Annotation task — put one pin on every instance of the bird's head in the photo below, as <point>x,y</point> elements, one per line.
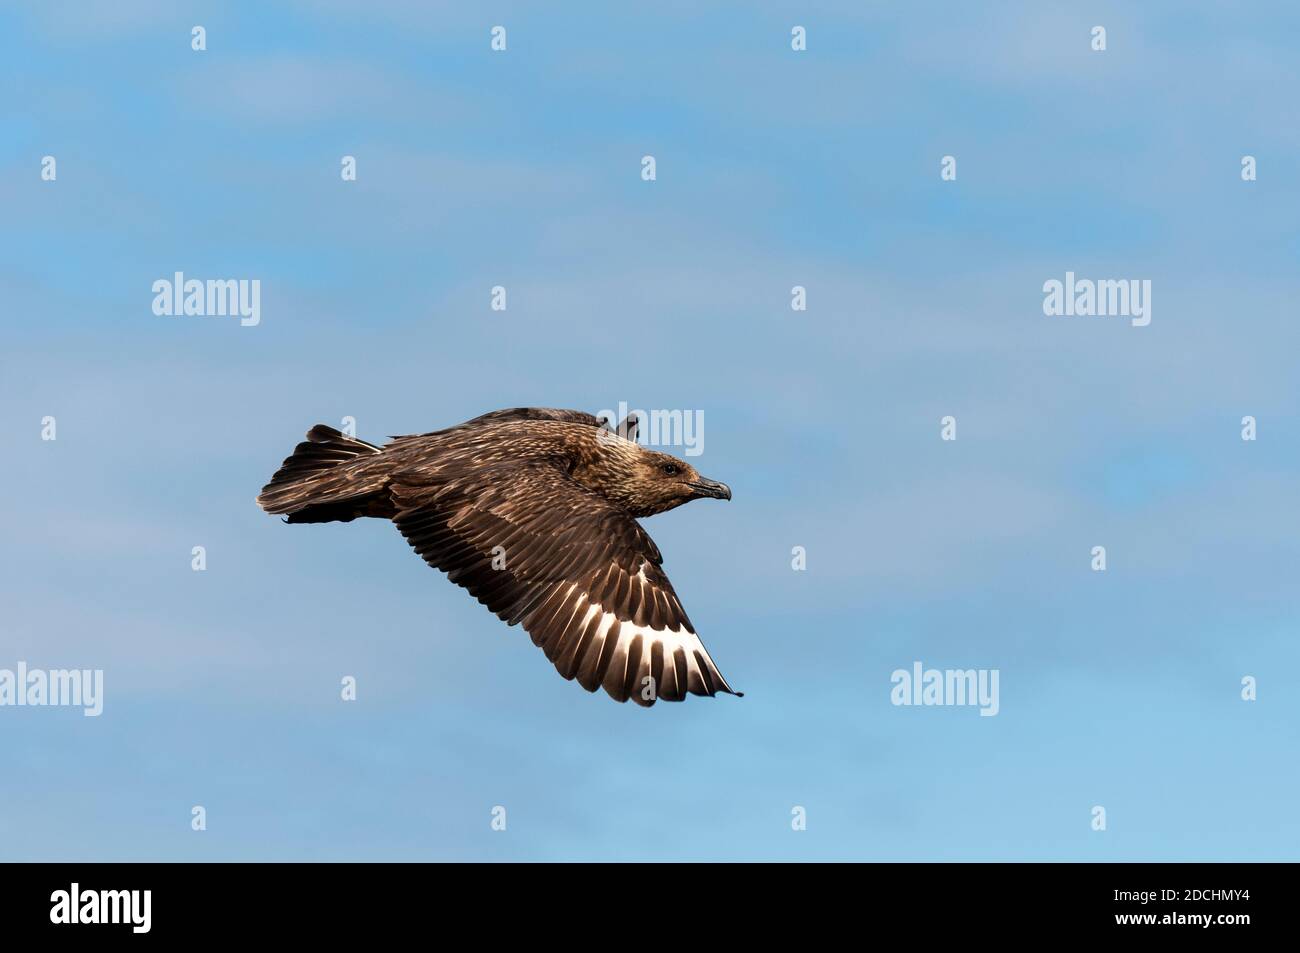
<point>644,481</point>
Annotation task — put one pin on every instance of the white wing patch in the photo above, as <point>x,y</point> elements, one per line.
<point>643,663</point>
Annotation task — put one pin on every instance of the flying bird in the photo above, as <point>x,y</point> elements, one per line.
<point>533,511</point>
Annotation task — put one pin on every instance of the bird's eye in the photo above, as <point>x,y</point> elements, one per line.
<point>671,469</point>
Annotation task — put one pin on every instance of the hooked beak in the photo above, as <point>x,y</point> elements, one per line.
<point>719,491</point>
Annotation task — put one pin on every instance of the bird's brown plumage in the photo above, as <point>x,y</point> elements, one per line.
<point>534,512</point>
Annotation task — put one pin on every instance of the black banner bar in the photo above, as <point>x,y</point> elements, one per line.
<point>177,902</point>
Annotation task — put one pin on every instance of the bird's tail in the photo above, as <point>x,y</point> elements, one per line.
<point>310,487</point>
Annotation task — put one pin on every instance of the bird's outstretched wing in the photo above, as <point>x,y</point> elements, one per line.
<point>507,416</point>
<point>582,576</point>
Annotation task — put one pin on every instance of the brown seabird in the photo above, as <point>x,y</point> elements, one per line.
<point>534,511</point>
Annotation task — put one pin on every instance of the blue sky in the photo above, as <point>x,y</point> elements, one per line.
<point>775,169</point>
